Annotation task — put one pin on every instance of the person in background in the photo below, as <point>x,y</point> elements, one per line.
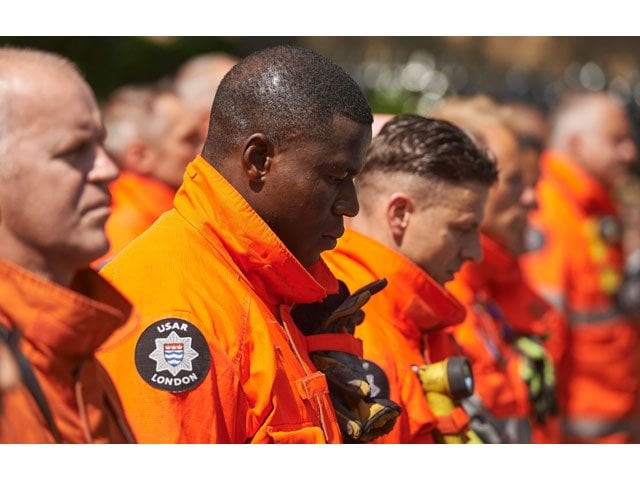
<point>575,262</point>
<point>55,312</point>
<point>152,136</point>
<point>508,328</point>
<point>196,83</point>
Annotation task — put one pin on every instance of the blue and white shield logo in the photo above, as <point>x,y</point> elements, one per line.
<point>173,353</point>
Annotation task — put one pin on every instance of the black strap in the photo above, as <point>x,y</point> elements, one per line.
<point>11,337</point>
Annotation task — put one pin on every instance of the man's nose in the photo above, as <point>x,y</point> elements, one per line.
<point>104,168</point>
<point>347,203</point>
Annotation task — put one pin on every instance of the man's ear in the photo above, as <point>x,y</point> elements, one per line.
<point>139,158</point>
<point>575,146</point>
<point>399,210</point>
<point>257,157</point>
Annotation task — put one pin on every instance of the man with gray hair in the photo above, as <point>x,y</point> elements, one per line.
<point>54,202</point>
<point>576,264</point>
<point>197,81</point>
<point>152,136</point>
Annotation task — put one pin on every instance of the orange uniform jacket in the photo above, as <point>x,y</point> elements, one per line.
<point>137,202</point>
<point>60,330</point>
<point>217,357</point>
<point>577,265</point>
<point>500,306</point>
<point>397,320</point>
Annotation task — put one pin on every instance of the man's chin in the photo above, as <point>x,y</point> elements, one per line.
<point>95,250</point>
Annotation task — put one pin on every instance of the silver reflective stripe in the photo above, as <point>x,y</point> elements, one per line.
<point>517,429</point>
<point>589,317</point>
<point>554,297</point>
<point>591,429</point>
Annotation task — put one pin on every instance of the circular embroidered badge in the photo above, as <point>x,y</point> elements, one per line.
<point>172,355</point>
<point>534,239</point>
<point>610,229</point>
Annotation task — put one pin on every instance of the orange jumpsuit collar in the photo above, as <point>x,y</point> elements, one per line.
<point>584,189</point>
<point>65,321</point>
<point>151,196</point>
<point>420,304</point>
<point>215,208</point>
<point>497,268</point>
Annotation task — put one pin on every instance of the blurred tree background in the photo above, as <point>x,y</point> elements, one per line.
<point>398,74</point>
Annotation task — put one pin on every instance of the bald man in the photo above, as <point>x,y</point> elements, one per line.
<point>218,357</point>
<point>54,202</point>
<point>152,136</point>
<point>196,83</point>
<point>576,263</point>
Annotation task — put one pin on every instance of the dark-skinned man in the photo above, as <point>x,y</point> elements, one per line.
<point>218,357</point>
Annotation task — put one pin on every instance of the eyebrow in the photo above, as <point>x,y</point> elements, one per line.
<point>81,133</point>
<point>342,167</point>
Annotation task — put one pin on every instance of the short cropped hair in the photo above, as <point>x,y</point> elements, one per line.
<point>282,91</point>
<point>568,116</point>
<point>129,116</point>
<point>429,148</point>
<point>197,80</point>
<point>16,61</point>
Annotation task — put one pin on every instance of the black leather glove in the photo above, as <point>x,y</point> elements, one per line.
<point>356,387</point>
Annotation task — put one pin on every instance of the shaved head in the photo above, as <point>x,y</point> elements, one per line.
<point>54,197</point>
<point>578,113</point>
<point>23,73</point>
<point>593,130</point>
<point>283,92</point>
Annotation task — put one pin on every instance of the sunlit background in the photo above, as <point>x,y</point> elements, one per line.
<point>398,74</point>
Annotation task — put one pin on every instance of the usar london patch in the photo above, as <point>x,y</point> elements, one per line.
<point>172,355</point>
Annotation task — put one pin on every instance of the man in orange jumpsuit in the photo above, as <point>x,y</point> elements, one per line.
<point>576,263</point>
<point>218,357</point>
<point>54,311</point>
<point>152,136</point>
<point>503,313</point>
<point>423,191</point>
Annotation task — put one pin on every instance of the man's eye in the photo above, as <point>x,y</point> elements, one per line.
<point>78,154</point>
<point>339,177</point>
<point>464,229</point>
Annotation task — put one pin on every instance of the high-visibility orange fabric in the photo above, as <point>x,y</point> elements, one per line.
<point>137,201</point>
<point>60,330</point>
<point>577,265</point>
<point>215,263</point>
<point>501,306</point>
<point>397,322</point>
<point>495,364</point>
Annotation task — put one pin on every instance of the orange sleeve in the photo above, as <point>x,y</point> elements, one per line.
<point>158,416</point>
<point>496,367</point>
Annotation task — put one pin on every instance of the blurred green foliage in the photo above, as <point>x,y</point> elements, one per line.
<point>109,62</point>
